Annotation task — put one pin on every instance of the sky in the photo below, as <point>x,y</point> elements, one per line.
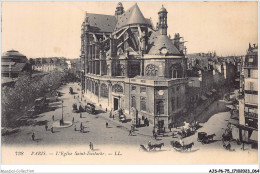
<point>48,29</point>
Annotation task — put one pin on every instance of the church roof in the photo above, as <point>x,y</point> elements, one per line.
<point>163,41</point>
<point>101,23</point>
<point>131,16</point>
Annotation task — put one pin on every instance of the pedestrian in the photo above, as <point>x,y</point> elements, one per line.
<point>80,125</point>
<point>106,124</point>
<point>90,146</point>
<point>73,120</point>
<point>181,142</point>
<point>75,128</point>
<point>113,116</point>
<point>52,130</point>
<point>130,133</point>
<point>170,127</point>
<point>106,109</point>
<point>52,117</point>
<point>46,127</point>
<point>33,137</point>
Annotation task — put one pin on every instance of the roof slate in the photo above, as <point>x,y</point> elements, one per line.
<point>131,16</point>
<point>163,41</point>
<point>101,23</point>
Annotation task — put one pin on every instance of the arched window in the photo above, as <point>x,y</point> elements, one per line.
<point>176,71</point>
<point>160,107</point>
<point>121,70</point>
<point>151,70</point>
<point>117,88</point>
<point>92,86</point>
<point>133,100</point>
<point>96,89</point>
<point>143,103</point>
<point>104,90</point>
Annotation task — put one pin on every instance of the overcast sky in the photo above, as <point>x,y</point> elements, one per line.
<point>46,29</point>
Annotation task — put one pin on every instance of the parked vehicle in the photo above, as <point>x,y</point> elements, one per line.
<point>204,138</point>
<point>90,108</point>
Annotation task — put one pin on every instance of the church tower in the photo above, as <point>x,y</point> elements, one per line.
<point>162,24</point>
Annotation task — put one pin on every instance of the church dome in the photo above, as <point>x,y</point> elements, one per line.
<point>13,55</point>
<point>162,10</point>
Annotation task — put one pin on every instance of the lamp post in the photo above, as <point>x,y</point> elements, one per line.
<point>62,111</point>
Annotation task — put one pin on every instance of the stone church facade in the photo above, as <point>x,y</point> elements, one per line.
<point>129,64</point>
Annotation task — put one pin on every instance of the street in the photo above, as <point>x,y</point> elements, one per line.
<point>115,135</point>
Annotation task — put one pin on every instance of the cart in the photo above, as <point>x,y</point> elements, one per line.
<point>203,138</point>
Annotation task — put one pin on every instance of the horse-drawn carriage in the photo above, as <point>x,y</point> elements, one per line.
<point>185,133</point>
<point>181,147</point>
<point>204,138</point>
<point>151,147</point>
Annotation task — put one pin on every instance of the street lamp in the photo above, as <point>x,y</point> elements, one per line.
<point>62,111</point>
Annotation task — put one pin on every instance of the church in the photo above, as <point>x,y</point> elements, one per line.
<point>130,65</point>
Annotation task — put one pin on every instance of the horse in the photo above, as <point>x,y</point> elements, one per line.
<point>188,146</point>
<point>151,147</point>
<point>210,137</point>
<point>158,145</point>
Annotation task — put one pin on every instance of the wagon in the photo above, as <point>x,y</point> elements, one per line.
<point>203,137</point>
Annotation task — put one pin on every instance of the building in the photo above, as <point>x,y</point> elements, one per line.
<point>50,64</point>
<point>13,63</point>
<point>248,103</point>
<point>129,65</point>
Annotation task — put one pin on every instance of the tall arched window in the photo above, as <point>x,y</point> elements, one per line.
<point>92,86</point>
<point>160,107</point>
<point>133,100</point>
<point>176,71</point>
<point>143,103</point>
<point>151,70</point>
<point>117,88</point>
<point>96,89</point>
<point>121,70</point>
<point>104,90</point>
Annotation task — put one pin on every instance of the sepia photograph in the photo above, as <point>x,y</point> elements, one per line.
<point>130,82</point>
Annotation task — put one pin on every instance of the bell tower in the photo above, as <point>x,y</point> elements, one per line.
<point>119,9</point>
<point>162,24</point>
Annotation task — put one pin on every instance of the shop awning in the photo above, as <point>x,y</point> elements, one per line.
<point>254,136</point>
<point>209,93</point>
<point>203,97</point>
<point>214,90</point>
